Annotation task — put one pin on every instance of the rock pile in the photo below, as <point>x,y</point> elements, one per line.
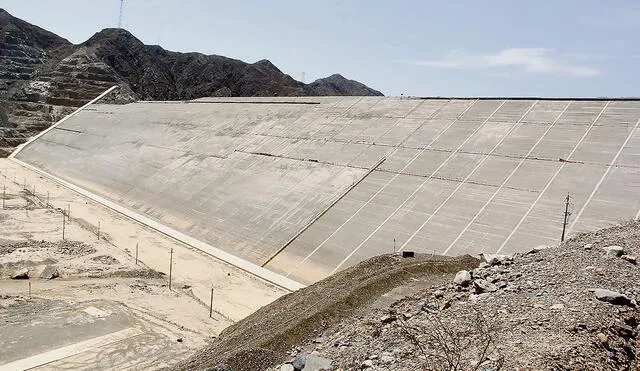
<point>570,307</point>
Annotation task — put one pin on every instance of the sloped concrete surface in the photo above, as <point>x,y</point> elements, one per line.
<point>449,175</point>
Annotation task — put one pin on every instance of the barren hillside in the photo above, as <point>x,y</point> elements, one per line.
<point>570,307</point>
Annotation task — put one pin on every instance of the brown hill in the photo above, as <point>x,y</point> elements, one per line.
<point>44,76</point>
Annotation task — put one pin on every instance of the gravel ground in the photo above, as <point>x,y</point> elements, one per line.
<point>266,337</point>
<point>537,311</point>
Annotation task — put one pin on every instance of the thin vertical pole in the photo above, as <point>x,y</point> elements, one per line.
<point>69,212</point>
<point>566,217</point>
<point>211,305</point>
<point>47,199</point>
<point>394,245</point>
<point>64,222</point>
<point>98,230</point>
<point>170,267</point>
<point>136,253</point>
<point>29,289</point>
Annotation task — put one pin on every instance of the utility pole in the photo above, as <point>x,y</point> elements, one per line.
<point>211,304</point>
<point>170,267</point>
<point>120,16</point>
<point>136,253</point>
<point>566,216</point>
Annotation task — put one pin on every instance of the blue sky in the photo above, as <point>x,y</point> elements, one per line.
<point>421,48</point>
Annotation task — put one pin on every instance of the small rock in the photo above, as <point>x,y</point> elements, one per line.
<point>496,259</point>
<point>483,265</point>
<point>286,367</point>
<point>299,362</point>
<point>612,297</point>
<point>316,363</point>
<point>588,246</point>
<point>630,258</point>
<point>537,249</point>
<point>603,339</point>
<point>22,274</point>
<point>462,278</point>
<point>484,286</point>
<point>179,340</point>
<point>385,358</point>
<point>387,319</point>
<point>50,272</point>
<point>557,307</point>
<point>366,364</point>
<point>614,251</point>
<point>430,306</point>
<point>438,294</point>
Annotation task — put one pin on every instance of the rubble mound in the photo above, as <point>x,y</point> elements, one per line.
<point>267,336</point>
<point>566,307</point>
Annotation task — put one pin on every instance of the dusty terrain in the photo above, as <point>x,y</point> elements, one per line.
<point>100,271</point>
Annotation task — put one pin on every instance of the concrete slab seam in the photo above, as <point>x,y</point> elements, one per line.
<point>415,191</point>
<point>326,209</point>
<point>382,188</point>
<point>486,156</point>
<point>505,181</point>
<point>595,189</point>
<point>504,243</point>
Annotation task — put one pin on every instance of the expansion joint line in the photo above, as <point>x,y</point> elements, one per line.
<point>504,182</point>
<point>553,177</point>
<point>595,189</point>
<point>451,194</point>
<point>419,188</point>
<point>386,184</point>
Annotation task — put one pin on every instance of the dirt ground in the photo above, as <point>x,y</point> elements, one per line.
<point>271,334</point>
<point>96,263</point>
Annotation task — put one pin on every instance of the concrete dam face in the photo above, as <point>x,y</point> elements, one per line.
<point>308,186</point>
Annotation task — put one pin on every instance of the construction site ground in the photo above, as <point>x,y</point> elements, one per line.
<point>105,310</point>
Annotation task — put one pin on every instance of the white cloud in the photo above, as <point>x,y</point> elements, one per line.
<point>523,60</point>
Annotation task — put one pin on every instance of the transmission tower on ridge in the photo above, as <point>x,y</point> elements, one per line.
<point>120,16</point>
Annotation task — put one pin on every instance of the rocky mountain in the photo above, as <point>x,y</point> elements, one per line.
<point>44,77</point>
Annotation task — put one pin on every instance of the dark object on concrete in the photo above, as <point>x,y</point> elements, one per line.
<point>50,272</point>
<point>408,254</point>
<point>22,274</point>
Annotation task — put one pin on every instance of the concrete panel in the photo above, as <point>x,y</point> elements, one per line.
<point>458,176</point>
